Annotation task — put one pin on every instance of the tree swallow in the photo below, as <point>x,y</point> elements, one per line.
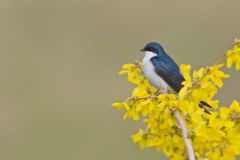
<point>162,71</point>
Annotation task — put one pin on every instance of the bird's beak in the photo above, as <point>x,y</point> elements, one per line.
<point>142,50</point>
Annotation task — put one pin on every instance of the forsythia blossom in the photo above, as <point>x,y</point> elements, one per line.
<point>234,55</point>
<point>213,136</point>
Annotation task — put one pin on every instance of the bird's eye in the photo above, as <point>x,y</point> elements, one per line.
<point>150,49</point>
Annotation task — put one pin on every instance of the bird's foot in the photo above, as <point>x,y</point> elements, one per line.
<point>160,91</point>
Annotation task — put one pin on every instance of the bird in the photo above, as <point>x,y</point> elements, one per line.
<point>163,72</point>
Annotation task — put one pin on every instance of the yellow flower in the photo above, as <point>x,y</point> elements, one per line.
<point>233,56</point>
<point>235,106</point>
<point>141,89</point>
<point>213,155</point>
<point>138,136</point>
<point>118,105</point>
<point>128,66</point>
<point>217,75</point>
<point>185,69</point>
<point>224,113</point>
<point>131,113</point>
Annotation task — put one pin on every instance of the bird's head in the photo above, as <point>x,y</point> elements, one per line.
<point>153,47</point>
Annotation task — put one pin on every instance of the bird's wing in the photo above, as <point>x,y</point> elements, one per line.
<point>169,71</point>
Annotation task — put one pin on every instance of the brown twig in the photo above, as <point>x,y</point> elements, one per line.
<point>140,98</point>
<point>189,147</point>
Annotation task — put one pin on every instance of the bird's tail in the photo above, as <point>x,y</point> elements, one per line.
<point>203,105</point>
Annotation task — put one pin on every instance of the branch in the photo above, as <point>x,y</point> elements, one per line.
<point>140,98</point>
<point>184,130</point>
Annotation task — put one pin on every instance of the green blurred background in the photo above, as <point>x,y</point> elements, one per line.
<point>59,62</point>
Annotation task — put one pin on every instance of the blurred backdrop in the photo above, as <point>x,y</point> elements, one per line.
<point>59,61</point>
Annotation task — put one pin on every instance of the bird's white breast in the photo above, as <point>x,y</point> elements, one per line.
<point>149,72</point>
